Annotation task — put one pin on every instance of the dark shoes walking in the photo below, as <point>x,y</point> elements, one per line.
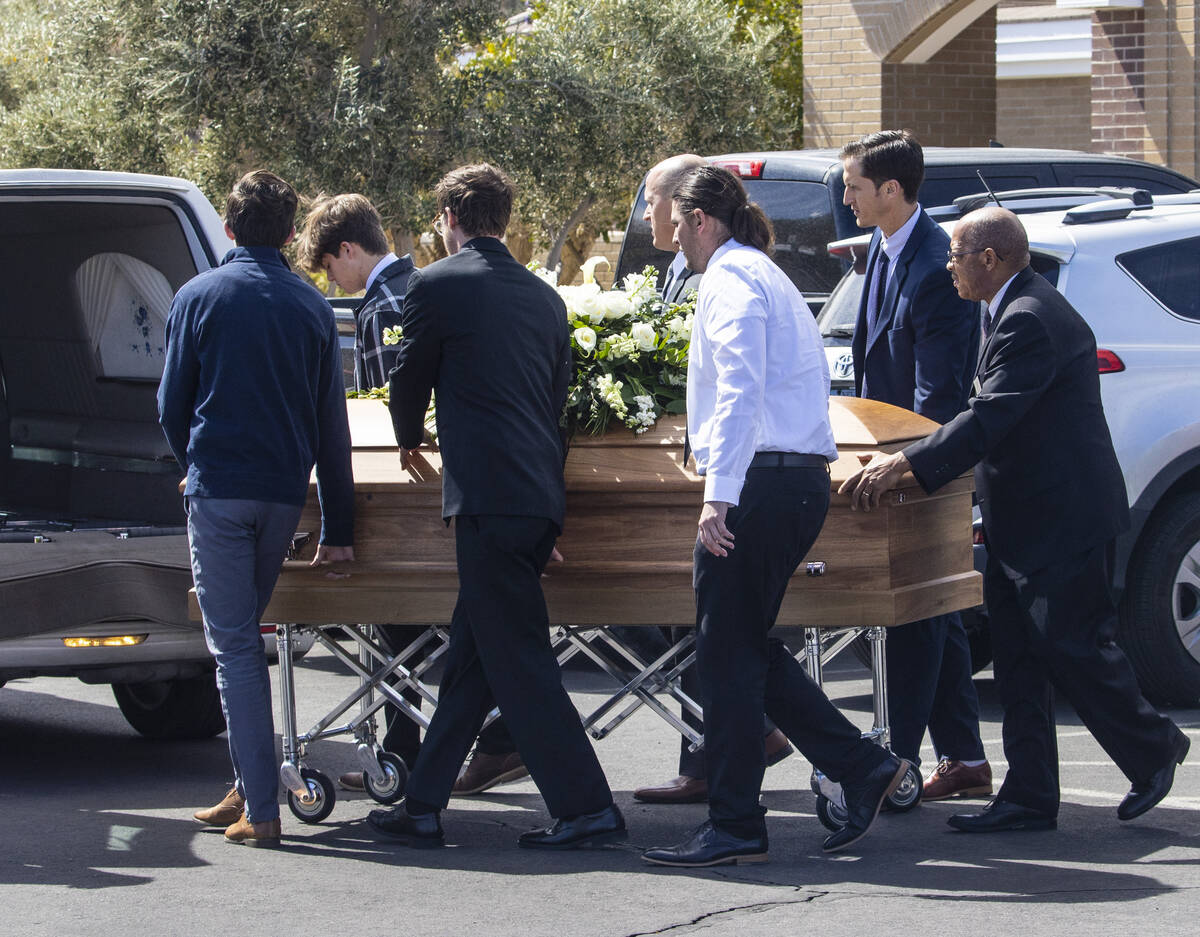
<point>1002,816</point>
<point>423,831</point>
<point>864,796</point>
<point>580,832</point>
<point>1142,797</point>
<point>709,846</point>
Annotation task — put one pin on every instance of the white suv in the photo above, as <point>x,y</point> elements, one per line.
<point>1131,267</point>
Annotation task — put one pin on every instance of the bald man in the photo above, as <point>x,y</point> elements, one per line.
<point>661,182</point>
<point>1053,501</point>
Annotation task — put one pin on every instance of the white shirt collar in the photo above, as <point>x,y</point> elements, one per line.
<point>893,245</point>
<point>389,258</point>
<point>999,297</point>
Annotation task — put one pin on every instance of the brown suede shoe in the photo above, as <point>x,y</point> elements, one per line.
<point>954,779</point>
<point>245,833</point>
<point>680,790</point>
<point>224,813</point>
<point>483,771</point>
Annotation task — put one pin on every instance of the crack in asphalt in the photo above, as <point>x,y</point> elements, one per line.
<point>752,908</point>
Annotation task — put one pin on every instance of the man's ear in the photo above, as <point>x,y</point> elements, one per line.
<point>291,235</point>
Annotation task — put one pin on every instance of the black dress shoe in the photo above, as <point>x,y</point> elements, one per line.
<point>709,846</point>
<point>1142,797</point>
<point>1001,816</point>
<point>864,796</point>
<point>580,832</point>
<point>421,832</point>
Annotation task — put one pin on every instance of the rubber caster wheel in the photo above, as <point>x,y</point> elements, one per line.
<point>908,794</point>
<point>322,797</point>
<point>392,789</point>
<point>832,816</point>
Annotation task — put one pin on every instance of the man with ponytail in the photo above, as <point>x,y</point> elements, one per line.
<point>758,422</point>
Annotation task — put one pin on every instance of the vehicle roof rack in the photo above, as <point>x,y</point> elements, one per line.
<point>1139,197</point>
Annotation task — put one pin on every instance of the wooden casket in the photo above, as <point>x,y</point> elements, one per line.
<point>631,519</point>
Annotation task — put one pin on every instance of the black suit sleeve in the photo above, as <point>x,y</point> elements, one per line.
<point>1019,366</point>
<point>945,338</point>
<point>412,380</point>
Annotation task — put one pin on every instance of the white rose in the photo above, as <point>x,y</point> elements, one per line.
<point>585,338</point>
<point>616,304</point>
<point>643,333</point>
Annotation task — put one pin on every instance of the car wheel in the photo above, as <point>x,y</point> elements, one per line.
<point>1160,610</point>
<point>187,708</point>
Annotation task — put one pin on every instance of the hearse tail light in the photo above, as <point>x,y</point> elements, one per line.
<point>1108,361</point>
<point>112,640</point>
<point>746,168</point>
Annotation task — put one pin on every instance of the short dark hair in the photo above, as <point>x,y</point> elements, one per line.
<point>333,219</point>
<point>720,194</point>
<point>481,197</point>
<point>261,210</point>
<point>890,154</point>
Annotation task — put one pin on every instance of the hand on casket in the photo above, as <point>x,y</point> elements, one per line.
<point>878,476</point>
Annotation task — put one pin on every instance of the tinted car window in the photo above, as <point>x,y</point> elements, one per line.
<point>943,190</point>
<point>1151,182</point>
<point>1170,273</point>
<point>801,214</point>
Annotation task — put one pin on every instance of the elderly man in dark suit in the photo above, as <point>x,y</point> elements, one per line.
<point>915,345</point>
<point>1053,500</point>
<point>492,339</point>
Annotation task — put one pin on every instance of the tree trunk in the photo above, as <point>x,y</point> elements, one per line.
<point>554,260</point>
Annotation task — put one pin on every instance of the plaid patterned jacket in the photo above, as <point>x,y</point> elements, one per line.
<point>380,309</point>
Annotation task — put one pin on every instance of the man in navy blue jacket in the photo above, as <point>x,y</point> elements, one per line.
<point>251,397</point>
<point>915,345</point>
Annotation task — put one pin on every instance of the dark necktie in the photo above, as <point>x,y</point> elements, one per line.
<point>874,309</point>
<point>988,324</point>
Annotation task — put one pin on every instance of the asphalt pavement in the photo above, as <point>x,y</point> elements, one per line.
<point>98,839</point>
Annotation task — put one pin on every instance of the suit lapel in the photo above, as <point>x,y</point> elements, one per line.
<point>1014,290</point>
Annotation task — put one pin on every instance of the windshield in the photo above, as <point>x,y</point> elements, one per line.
<point>840,312</point>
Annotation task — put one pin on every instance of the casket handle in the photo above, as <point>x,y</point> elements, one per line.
<point>814,569</point>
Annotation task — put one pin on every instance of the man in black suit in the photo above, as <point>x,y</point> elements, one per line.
<point>492,339</point>
<point>1053,500</point>
<point>915,345</point>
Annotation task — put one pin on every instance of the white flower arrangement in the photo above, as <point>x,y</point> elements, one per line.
<point>630,351</point>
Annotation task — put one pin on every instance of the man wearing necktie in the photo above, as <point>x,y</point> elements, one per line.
<point>915,346</point>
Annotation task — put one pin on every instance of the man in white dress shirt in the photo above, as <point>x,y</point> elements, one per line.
<point>758,421</point>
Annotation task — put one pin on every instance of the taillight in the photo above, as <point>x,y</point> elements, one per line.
<point>977,536</point>
<point>1108,362</point>
<point>266,629</point>
<point>746,168</point>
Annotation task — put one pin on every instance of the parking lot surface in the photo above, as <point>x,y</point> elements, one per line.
<point>99,840</point>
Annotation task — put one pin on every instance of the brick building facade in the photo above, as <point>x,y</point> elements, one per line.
<point>1126,85</point>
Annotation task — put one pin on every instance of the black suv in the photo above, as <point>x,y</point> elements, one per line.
<point>801,192</point>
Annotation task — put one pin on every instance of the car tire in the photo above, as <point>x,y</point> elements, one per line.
<point>1160,610</point>
<point>187,708</point>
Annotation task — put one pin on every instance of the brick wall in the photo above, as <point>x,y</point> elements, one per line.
<point>951,99</point>
<point>1118,83</point>
<point>1045,112</point>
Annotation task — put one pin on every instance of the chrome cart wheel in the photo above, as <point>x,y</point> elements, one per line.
<point>322,797</point>
<point>908,794</point>
<point>832,816</point>
<point>392,788</point>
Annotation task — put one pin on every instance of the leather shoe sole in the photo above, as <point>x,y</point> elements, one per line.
<point>682,790</point>
<point>1138,802</point>
<point>736,859</point>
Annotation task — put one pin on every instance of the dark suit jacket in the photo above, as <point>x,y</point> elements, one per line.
<point>1047,478</point>
<point>923,350</point>
<point>492,340</point>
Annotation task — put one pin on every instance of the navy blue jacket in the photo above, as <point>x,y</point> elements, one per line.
<point>923,350</point>
<point>493,340</point>
<point>1048,482</point>
<point>251,394</point>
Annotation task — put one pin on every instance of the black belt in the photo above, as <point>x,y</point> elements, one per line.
<point>788,460</point>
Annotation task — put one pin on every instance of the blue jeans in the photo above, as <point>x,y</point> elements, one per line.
<point>237,547</point>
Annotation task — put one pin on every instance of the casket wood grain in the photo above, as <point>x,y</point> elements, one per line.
<point>631,525</point>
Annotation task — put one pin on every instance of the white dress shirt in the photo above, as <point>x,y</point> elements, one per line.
<point>389,258</point>
<point>758,380</point>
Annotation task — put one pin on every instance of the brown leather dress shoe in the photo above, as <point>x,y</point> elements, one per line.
<point>352,781</point>
<point>777,747</point>
<point>483,771</point>
<point>954,779</point>
<point>226,812</point>
<point>244,833</point>
<point>680,790</point>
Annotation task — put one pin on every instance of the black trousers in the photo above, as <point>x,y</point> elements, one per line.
<point>1054,630</point>
<point>500,654</point>
<point>929,684</point>
<point>403,736</point>
<point>743,671</point>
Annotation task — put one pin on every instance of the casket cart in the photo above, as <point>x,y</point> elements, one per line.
<point>632,507</point>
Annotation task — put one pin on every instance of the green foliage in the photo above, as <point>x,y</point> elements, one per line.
<point>787,71</point>
<point>581,105</point>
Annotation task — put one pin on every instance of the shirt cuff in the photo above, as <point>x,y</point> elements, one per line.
<point>722,488</point>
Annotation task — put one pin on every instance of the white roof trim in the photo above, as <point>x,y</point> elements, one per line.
<point>1054,48</point>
